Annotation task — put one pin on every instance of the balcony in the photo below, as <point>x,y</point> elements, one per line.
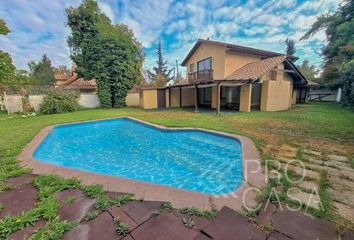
<point>200,76</point>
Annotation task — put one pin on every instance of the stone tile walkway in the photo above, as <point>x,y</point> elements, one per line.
<point>146,221</point>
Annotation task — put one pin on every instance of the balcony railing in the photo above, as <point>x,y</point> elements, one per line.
<point>200,76</point>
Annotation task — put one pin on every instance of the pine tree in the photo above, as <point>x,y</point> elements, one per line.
<point>161,71</point>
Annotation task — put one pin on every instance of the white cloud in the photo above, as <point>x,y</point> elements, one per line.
<point>106,9</point>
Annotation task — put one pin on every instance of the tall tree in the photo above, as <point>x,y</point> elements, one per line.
<point>340,35</point>
<point>6,67</point>
<point>308,70</point>
<point>109,53</point>
<point>347,77</point>
<point>42,71</point>
<point>290,49</point>
<point>161,74</point>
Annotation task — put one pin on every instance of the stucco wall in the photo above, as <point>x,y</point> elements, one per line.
<point>275,95</point>
<point>148,99</point>
<point>14,102</point>
<point>132,99</point>
<point>89,100</point>
<point>245,98</point>
<point>234,61</point>
<point>206,50</point>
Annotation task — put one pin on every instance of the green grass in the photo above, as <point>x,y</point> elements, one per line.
<point>323,127</point>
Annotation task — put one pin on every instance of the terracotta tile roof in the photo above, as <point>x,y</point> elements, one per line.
<point>255,70</point>
<point>80,83</point>
<point>231,47</point>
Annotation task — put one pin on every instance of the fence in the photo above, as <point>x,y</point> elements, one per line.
<point>11,96</point>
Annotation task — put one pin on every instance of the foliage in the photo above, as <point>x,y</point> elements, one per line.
<point>54,230</point>
<point>347,78</point>
<point>6,66</point>
<point>60,102</point>
<point>90,216</point>
<point>189,223</point>
<point>109,53</point>
<point>161,75</point>
<point>165,207</point>
<point>290,47</point>
<point>122,228</point>
<point>340,48</point>
<point>42,71</point>
<point>194,211</point>
<point>308,70</point>
<point>4,30</point>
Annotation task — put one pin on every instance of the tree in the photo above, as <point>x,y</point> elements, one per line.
<point>308,70</point>
<point>340,35</point>
<point>161,70</point>
<point>42,71</point>
<point>347,77</point>
<point>109,53</point>
<point>6,67</point>
<point>290,49</point>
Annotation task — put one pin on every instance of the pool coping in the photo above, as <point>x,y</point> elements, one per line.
<point>244,194</point>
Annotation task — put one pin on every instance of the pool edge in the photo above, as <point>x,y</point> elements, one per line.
<point>251,163</point>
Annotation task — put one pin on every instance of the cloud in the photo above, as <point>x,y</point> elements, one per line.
<point>39,26</point>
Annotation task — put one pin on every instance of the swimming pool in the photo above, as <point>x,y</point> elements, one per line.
<point>187,159</point>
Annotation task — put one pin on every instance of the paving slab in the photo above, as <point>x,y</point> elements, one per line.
<point>21,180</point>
<point>311,152</point>
<point>202,236</point>
<point>347,235</point>
<point>337,158</point>
<point>117,213</point>
<point>345,197</point>
<point>277,236</point>
<point>300,226</point>
<point>307,199</point>
<point>266,214</point>
<point>309,185</point>
<point>229,224</point>
<point>140,211</point>
<point>199,221</point>
<point>345,211</point>
<point>16,201</point>
<point>128,237</point>
<point>103,228</point>
<point>62,197</point>
<point>165,226</point>
<point>77,210</point>
<point>27,231</point>
<point>112,194</point>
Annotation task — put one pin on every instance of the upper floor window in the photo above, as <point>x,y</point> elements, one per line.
<point>205,64</point>
<point>191,68</point>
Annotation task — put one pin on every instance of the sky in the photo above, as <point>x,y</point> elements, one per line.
<point>39,26</point>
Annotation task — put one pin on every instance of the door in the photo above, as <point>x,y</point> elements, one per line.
<point>161,98</point>
<point>256,96</point>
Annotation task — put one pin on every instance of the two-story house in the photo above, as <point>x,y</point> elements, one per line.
<point>228,76</point>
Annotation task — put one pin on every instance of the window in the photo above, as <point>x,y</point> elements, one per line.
<point>191,68</point>
<point>204,64</point>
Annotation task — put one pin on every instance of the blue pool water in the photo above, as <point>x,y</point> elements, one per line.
<point>187,159</point>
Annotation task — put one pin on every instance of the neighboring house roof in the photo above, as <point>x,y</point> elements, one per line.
<point>80,83</point>
<point>254,70</point>
<point>312,84</point>
<point>231,47</point>
<point>61,76</point>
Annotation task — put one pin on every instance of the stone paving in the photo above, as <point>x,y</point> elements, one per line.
<point>340,176</point>
<point>146,220</point>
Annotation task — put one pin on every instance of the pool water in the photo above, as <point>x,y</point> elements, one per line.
<point>187,159</point>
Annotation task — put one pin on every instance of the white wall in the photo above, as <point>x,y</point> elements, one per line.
<point>14,102</point>
<point>89,100</point>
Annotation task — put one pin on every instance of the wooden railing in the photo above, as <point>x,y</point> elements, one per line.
<point>200,76</point>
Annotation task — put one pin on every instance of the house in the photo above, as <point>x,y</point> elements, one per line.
<point>70,81</point>
<point>228,76</point>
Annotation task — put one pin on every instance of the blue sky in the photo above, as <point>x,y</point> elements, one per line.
<point>38,26</point>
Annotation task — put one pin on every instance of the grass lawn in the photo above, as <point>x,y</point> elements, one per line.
<point>324,127</point>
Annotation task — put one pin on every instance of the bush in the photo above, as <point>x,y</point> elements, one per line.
<point>60,102</point>
<point>347,77</point>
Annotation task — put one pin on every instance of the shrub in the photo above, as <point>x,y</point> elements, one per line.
<point>60,102</point>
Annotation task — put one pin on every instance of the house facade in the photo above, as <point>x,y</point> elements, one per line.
<point>227,76</point>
